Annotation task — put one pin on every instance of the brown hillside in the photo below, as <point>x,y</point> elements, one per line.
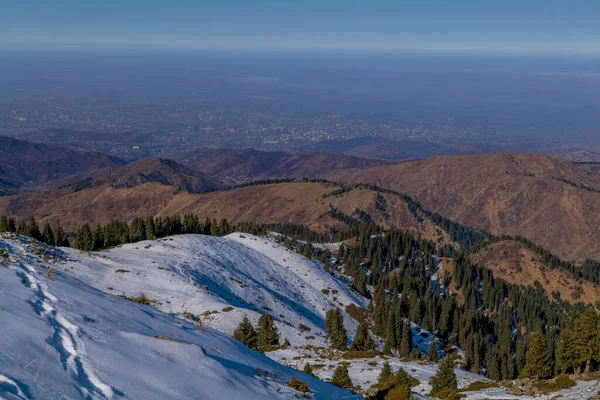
<point>29,166</point>
<point>249,165</point>
<point>516,264</point>
<point>504,193</point>
<point>298,202</point>
<point>580,156</point>
<point>167,172</point>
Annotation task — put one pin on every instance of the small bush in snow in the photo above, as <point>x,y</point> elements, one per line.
<point>299,385</point>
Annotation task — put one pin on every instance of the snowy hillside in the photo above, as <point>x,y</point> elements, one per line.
<point>220,279</point>
<point>61,337</point>
<point>66,328</point>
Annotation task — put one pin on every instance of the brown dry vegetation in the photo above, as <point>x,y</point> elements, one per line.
<point>293,202</point>
<point>516,264</point>
<point>497,193</point>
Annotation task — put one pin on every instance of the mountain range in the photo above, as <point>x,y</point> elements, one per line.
<point>546,199</point>
<point>495,239</point>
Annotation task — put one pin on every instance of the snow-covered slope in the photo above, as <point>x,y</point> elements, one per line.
<point>220,278</point>
<point>60,337</point>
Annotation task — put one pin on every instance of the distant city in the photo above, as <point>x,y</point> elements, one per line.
<point>133,106</point>
<point>174,127</point>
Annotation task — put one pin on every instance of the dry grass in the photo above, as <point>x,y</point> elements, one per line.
<point>142,299</point>
<point>350,355</point>
<point>516,264</point>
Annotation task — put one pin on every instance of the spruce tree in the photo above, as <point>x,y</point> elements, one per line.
<point>491,363</point>
<point>150,229</point>
<point>445,378</point>
<point>587,338</point>
<point>11,225</point>
<point>266,333</point>
<point>137,230</point>
<point>360,284</point>
<point>402,378</point>
<point>406,344</point>
<point>341,377</point>
<point>432,351</point>
<point>61,237</point>
<point>246,334</point>
<point>391,341</point>
<point>83,239</point>
<point>476,367</point>
<point>380,311</point>
<point>539,363</point>
<point>385,375</point>
<point>98,238</point>
<point>335,330</point>
<point>32,230</point>
<point>567,354</point>
<point>48,236</point>
<point>4,224</point>
<point>308,370</point>
<point>362,339</point>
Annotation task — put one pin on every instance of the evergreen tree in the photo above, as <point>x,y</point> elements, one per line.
<point>341,377</point>
<point>491,362</point>
<point>335,330</point>
<point>83,238</point>
<point>246,334</point>
<point>385,375</point>
<point>477,359</point>
<point>266,333</point>
<point>32,230</point>
<point>137,230</point>
<point>402,378</point>
<point>98,238</point>
<point>360,284</point>
<point>380,311</point>
<point>150,229</point>
<point>224,228</point>
<point>587,338</point>
<point>432,351</point>
<point>362,339</point>
<point>308,370</point>
<point>207,228</point>
<point>48,236</point>
<point>445,378</point>
<point>406,344</point>
<point>191,224</point>
<point>61,237</point>
<point>391,341</point>
<point>11,225</point>
<point>539,363</point>
<point>567,353</point>
<point>4,224</point>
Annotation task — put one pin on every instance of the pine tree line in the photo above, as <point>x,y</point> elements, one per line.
<point>118,232</point>
<point>53,236</point>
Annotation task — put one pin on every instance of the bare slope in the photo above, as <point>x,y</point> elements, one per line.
<point>161,170</point>
<point>505,193</point>
<point>293,202</point>
<point>516,264</point>
<point>248,165</point>
<point>28,166</point>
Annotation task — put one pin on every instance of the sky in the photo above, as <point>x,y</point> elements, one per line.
<point>488,26</point>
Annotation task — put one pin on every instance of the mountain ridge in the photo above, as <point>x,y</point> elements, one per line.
<point>517,194</point>
<point>26,166</point>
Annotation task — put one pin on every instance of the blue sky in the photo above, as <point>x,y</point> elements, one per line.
<point>497,26</point>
